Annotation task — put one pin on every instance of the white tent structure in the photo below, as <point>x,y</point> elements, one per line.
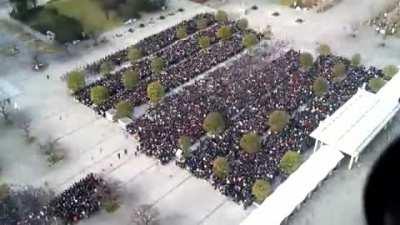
<point>354,125</point>
<point>297,187</point>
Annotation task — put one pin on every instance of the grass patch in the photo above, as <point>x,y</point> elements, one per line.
<point>89,12</point>
<point>44,47</point>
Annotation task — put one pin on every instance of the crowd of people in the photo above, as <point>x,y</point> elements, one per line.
<point>80,201</point>
<point>226,90</point>
<point>160,44</point>
<point>183,59</point>
<point>153,43</point>
<point>245,92</point>
<point>177,72</point>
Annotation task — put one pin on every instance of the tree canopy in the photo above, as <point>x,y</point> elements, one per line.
<point>324,49</point>
<point>124,109</point>
<point>181,32</point>
<point>134,54</point>
<point>289,2</point>
<point>250,142</point>
<point>98,94</point>
<point>249,40</point>
<point>76,80</point>
<point>201,23</point>
<point>390,71</point>
<point>261,189</point>
<point>242,24</point>
<point>106,68</point>
<point>204,42</point>
<point>356,59</point>
<point>157,65</point>
<point>278,120</point>
<point>221,167</point>
<point>375,84</point>
<point>214,123</point>
<point>339,71</point>
<point>224,33</point>
<point>184,143</point>
<point>221,16</point>
<point>320,86</point>
<point>155,91</point>
<point>130,79</point>
<point>290,161</point>
<point>306,60</point>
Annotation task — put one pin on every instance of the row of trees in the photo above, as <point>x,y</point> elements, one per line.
<point>320,85</point>
<point>261,188</point>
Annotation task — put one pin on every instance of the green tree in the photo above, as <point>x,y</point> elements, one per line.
<point>157,65</point>
<point>98,94</point>
<point>134,54</point>
<point>390,71</point>
<point>356,60</point>
<point>278,120</point>
<point>214,123</point>
<point>124,109</point>
<point>184,143</point>
<point>201,23</point>
<point>66,29</point>
<point>243,24</point>
<point>106,68</point>
<point>76,80</point>
<point>181,32</point>
<point>339,71</point>
<point>224,33</point>
<point>375,84</point>
<point>291,3</point>
<point>204,42</point>
<point>4,191</point>
<point>250,143</point>
<point>130,79</point>
<point>261,189</point>
<point>324,49</point>
<point>249,40</point>
<point>221,167</point>
<point>320,86</point>
<point>306,60</point>
<point>221,16</point>
<point>290,162</point>
<point>155,91</point>
<point>111,205</point>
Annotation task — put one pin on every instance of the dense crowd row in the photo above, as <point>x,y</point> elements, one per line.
<point>178,72</point>
<point>245,93</point>
<point>153,43</point>
<point>184,61</point>
<point>171,51</point>
<point>288,95</point>
<point>80,201</point>
<point>226,90</point>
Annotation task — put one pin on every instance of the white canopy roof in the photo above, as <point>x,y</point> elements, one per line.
<point>281,203</point>
<point>7,90</point>
<point>356,123</point>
